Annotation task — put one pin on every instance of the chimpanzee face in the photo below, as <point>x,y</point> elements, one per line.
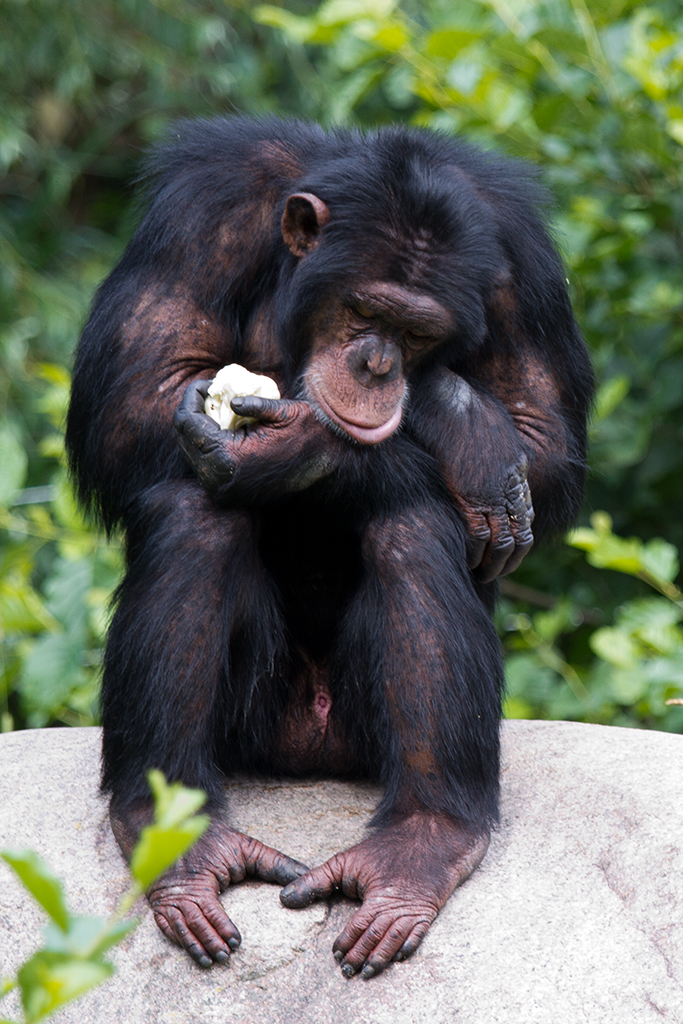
<point>365,342</point>
<point>363,349</point>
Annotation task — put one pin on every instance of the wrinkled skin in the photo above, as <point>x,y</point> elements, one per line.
<point>185,900</point>
<point>403,874</point>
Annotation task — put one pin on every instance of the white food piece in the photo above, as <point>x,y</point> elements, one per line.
<point>231,382</point>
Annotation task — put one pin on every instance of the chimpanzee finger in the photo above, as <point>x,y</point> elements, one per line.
<point>353,931</point>
<point>374,936</point>
<point>197,920</point>
<point>228,933</point>
<point>500,547</point>
<point>526,492</point>
<point>198,428</point>
<point>524,541</point>
<point>520,514</point>
<point>317,884</point>
<point>185,938</point>
<point>270,865</point>
<point>478,536</point>
<point>389,948</point>
<point>267,410</point>
<point>413,941</point>
<point>195,396</point>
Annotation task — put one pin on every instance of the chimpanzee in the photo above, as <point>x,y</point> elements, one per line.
<point>311,594</point>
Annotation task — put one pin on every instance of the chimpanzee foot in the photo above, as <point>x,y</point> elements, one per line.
<point>403,873</point>
<point>185,900</point>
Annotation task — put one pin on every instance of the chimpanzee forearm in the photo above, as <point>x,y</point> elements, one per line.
<point>484,461</point>
<point>546,395</point>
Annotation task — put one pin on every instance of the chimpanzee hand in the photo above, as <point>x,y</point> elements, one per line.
<point>287,450</point>
<point>403,873</point>
<point>185,900</point>
<point>484,464</point>
<point>498,517</point>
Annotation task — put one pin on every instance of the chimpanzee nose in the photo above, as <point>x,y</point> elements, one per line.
<point>375,361</point>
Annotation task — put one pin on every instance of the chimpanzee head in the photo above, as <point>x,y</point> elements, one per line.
<point>386,276</point>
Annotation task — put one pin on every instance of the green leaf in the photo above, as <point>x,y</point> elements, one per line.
<point>158,848</point>
<point>45,887</point>
<point>173,802</point>
<point>49,980</point>
<point>660,559</point>
<point>14,464</point>
<point>173,831</point>
<point>610,394</point>
<point>615,646</point>
<point>86,936</point>
<point>392,38</point>
<point>629,685</point>
<point>449,42</point>
<point>22,609</point>
<point>296,28</point>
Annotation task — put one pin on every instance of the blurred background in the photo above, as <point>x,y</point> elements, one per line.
<point>590,90</point>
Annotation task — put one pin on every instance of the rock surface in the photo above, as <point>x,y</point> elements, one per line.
<point>576,914</point>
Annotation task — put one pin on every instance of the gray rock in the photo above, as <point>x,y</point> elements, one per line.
<point>575,915</point>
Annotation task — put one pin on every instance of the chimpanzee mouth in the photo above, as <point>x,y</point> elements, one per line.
<point>356,429</point>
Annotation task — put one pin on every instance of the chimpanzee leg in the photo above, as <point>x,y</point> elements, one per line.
<point>423,659</point>
<point>195,586</point>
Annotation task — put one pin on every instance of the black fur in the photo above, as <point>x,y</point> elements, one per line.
<point>365,571</point>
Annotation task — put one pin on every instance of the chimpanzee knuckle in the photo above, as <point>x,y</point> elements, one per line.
<point>377,929</point>
<point>221,923</point>
<point>335,870</point>
<point>480,531</point>
<point>349,935</point>
<point>525,540</point>
<point>193,915</point>
<point>165,927</point>
<point>503,543</point>
<point>387,949</point>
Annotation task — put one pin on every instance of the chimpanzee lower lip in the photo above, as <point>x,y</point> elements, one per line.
<point>366,435</point>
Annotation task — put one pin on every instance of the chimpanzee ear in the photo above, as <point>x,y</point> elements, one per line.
<point>302,222</point>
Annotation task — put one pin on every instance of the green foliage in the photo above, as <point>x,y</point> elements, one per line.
<point>590,90</point>
<point>629,673</point>
<point>56,584</point>
<point>71,960</point>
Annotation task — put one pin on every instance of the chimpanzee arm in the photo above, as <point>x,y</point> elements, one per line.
<point>189,293</point>
<point>529,371</point>
<point>485,464</point>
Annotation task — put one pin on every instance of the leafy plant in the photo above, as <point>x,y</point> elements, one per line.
<point>636,671</point>
<point>589,90</point>
<point>72,958</point>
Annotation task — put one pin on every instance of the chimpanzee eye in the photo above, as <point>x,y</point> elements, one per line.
<point>364,314</point>
<point>414,340</point>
